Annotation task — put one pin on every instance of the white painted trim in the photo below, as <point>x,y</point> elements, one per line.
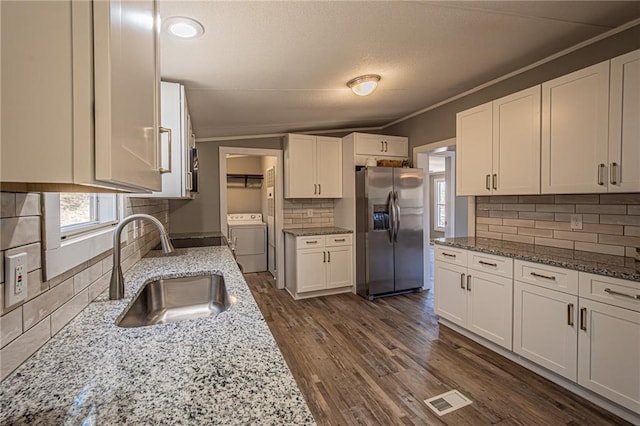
<point>60,255</point>
<point>281,135</point>
<point>522,70</point>
<point>561,381</point>
<point>223,151</point>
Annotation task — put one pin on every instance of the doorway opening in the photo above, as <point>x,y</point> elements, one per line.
<point>251,187</point>
<point>446,215</point>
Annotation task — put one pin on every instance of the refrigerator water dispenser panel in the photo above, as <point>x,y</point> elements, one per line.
<point>380,217</point>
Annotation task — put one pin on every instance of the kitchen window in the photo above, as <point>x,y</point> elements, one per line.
<point>77,228</point>
<point>439,204</point>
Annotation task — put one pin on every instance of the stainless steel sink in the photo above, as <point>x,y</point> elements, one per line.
<point>177,299</point>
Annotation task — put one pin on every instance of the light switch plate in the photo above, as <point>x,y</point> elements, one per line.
<point>15,287</point>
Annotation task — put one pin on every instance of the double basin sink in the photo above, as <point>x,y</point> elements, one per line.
<point>166,300</point>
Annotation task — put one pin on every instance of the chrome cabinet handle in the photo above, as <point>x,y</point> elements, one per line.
<point>324,257</point>
<point>482,262</point>
<point>546,277</point>
<point>495,181</point>
<point>570,314</point>
<point>329,256</point>
<point>583,319</point>
<point>381,146</point>
<point>617,293</point>
<point>386,146</point>
<point>449,255</point>
<point>339,240</point>
<point>161,169</point>
<point>315,189</point>
<point>469,283</point>
<point>189,185</point>
<point>601,168</point>
<point>311,242</point>
<point>487,182</point>
<point>319,188</point>
<point>462,281</point>
<point>613,178</point>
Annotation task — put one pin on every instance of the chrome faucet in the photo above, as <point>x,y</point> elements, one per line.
<point>116,286</point>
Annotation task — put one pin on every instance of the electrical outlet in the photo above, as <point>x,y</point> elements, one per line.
<point>309,212</point>
<point>15,279</point>
<point>576,221</point>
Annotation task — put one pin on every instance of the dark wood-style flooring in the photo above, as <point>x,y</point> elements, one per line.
<point>373,363</point>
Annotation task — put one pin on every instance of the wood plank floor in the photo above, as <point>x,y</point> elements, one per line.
<point>373,363</point>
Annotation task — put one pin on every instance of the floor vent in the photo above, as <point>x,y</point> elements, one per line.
<point>447,402</point>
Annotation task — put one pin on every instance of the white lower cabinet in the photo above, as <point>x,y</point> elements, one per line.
<point>580,326</point>
<point>474,299</point>
<point>318,265</point>
<point>545,328</point>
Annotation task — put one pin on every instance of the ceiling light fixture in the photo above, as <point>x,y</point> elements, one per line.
<point>364,85</point>
<point>183,28</point>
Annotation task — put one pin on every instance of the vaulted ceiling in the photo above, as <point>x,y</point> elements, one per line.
<point>272,67</point>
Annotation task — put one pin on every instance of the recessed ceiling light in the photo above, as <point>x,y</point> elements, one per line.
<point>364,85</point>
<point>183,28</point>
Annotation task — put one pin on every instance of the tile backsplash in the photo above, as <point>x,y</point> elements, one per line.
<point>295,213</point>
<point>611,222</point>
<point>51,304</point>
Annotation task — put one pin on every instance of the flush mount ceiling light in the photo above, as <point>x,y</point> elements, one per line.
<point>364,85</point>
<point>183,28</point>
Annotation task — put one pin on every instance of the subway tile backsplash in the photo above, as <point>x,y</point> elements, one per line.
<point>611,222</point>
<point>295,213</point>
<point>51,304</point>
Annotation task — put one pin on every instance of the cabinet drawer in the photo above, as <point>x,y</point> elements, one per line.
<point>338,240</point>
<point>492,264</point>
<point>613,291</point>
<point>565,280</point>
<point>451,255</point>
<point>310,242</point>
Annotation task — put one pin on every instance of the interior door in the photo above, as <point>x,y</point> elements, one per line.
<point>409,264</point>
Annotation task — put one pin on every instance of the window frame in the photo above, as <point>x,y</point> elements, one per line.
<point>62,251</point>
<point>436,204</point>
<point>105,207</point>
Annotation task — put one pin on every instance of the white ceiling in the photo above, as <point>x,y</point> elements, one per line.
<point>272,67</point>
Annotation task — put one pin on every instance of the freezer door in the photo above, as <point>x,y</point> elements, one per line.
<point>378,190</point>
<point>409,268</point>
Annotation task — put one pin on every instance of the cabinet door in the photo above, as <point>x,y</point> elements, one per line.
<point>300,160</point>
<point>489,307</point>
<point>516,143</point>
<point>311,270</point>
<point>126,86</point>
<point>339,267</point>
<point>451,292</point>
<point>545,324</point>
<point>609,352</point>
<point>372,145</point>
<point>624,127</point>
<point>396,146</point>
<point>575,120</point>
<point>329,167</point>
<point>474,140</point>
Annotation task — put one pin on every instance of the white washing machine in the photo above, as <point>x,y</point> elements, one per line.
<point>248,233</point>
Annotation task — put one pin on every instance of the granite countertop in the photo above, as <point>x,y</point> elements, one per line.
<point>595,263</point>
<point>223,370</point>
<point>299,232</point>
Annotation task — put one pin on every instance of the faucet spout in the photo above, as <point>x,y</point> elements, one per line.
<point>116,285</point>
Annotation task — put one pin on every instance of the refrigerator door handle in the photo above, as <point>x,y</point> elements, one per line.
<point>392,216</point>
<point>396,216</point>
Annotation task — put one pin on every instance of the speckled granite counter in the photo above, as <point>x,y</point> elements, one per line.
<point>595,263</point>
<point>299,232</point>
<point>223,370</point>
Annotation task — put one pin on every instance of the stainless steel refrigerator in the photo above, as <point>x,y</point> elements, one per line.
<point>389,209</point>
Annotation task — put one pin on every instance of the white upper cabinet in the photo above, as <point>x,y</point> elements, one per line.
<point>176,125</point>
<point>313,167</point>
<point>575,120</point>
<point>624,124</point>
<point>498,146</point>
<point>59,61</point>
<point>474,141</point>
<point>380,147</point>
<point>516,143</point>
